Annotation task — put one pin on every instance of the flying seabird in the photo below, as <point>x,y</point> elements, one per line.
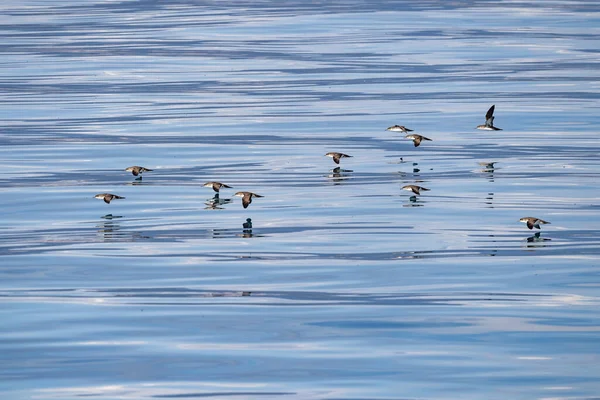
<point>216,186</point>
<point>247,197</point>
<point>533,222</point>
<point>137,170</point>
<point>415,189</point>
<point>399,128</point>
<point>489,121</point>
<point>337,156</point>
<point>416,138</point>
<point>107,197</point>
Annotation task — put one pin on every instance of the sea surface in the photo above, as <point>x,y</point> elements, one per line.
<point>345,287</point>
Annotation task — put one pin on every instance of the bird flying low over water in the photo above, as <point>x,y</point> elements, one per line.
<point>489,121</point>
<point>399,128</point>
<point>415,189</point>
<point>247,197</point>
<point>487,164</point>
<point>137,170</point>
<point>337,156</point>
<point>107,197</point>
<point>533,222</point>
<point>216,186</point>
<point>416,138</point>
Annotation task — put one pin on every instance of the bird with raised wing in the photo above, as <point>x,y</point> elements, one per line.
<point>489,121</point>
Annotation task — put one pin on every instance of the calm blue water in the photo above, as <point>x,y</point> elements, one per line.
<point>356,291</point>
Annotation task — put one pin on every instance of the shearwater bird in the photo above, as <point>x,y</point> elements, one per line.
<point>533,222</point>
<point>489,121</point>
<point>399,128</point>
<point>337,156</point>
<point>216,186</point>
<point>415,189</point>
<point>247,197</point>
<point>487,164</point>
<point>107,197</point>
<point>416,138</point>
<point>137,170</point>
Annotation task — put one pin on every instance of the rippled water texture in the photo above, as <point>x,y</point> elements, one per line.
<point>345,287</point>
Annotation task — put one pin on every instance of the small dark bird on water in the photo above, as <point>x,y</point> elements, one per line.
<point>533,222</point>
<point>337,156</point>
<point>247,224</point>
<point>399,128</point>
<point>415,189</point>
<point>247,197</point>
<point>489,121</point>
<point>416,138</point>
<point>487,165</point>
<point>216,186</point>
<point>107,197</point>
<point>137,170</point>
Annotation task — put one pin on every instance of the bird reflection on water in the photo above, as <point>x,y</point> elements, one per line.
<point>136,182</point>
<point>488,168</point>
<point>338,175</point>
<point>489,200</point>
<point>110,230</point>
<point>220,233</point>
<point>537,240</point>
<point>216,202</point>
<point>247,232</point>
<point>414,201</point>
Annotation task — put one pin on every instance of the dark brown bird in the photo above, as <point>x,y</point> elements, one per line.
<point>247,197</point>
<point>416,138</point>
<point>489,121</point>
<point>533,222</point>
<point>487,165</point>
<point>216,186</point>
<point>399,128</point>
<point>415,189</point>
<point>137,170</point>
<point>337,156</point>
<point>107,197</point>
